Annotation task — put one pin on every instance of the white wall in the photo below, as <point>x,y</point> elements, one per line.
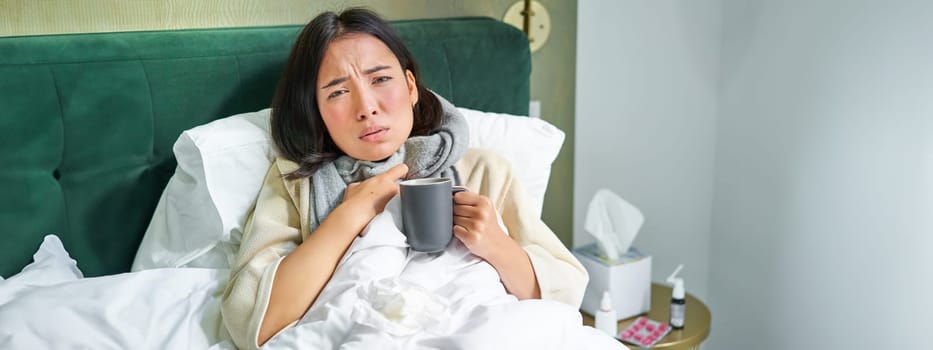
<point>820,183</point>
<point>824,176</point>
<point>645,119</point>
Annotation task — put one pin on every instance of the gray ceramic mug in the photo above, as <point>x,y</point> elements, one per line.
<point>427,213</point>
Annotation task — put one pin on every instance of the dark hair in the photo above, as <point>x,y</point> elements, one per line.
<point>297,128</point>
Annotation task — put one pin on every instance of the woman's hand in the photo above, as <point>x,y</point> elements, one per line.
<point>477,226</point>
<point>375,192</point>
<point>304,272</point>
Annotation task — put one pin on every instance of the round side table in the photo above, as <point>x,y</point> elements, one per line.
<point>696,322</point>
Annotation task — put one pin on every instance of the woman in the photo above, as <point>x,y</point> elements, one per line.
<point>350,118</point>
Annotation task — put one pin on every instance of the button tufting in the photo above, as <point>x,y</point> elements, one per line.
<point>57,174</point>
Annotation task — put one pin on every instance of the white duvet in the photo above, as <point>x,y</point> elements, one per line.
<point>382,296</point>
<point>50,306</point>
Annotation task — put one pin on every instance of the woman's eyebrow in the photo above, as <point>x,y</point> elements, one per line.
<point>343,79</point>
<point>375,69</point>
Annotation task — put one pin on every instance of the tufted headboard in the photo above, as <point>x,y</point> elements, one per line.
<point>87,121</point>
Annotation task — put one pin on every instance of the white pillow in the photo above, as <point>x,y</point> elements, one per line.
<point>221,165</point>
<point>199,220</point>
<point>530,144</point>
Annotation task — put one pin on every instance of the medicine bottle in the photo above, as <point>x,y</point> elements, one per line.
<point>678,300</point>
<point>606,316</point>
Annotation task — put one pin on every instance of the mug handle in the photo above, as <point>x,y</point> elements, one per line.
<point>455,189</point>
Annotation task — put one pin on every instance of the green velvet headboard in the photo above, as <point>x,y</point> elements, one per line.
<point>87,121</point>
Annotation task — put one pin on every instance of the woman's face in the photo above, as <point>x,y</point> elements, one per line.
<point>365,98</point>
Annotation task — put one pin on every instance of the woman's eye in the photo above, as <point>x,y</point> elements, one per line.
<point>336,93</point>
<point>382,79</point>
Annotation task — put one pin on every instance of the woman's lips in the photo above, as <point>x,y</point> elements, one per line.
<point>374,134</point>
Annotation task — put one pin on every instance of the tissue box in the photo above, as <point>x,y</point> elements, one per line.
<point>627,279</point>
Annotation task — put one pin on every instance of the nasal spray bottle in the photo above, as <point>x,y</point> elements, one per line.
<point>606,316</point>
<point>678,300</point>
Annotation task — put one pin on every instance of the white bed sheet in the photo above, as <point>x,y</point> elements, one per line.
<point>381,296</point>
<point>50,306</point>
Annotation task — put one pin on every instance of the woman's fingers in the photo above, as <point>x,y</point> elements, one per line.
<point>467,198</point>
<point>377,190</point>
<point>388,180</point>
<point>392,175</point>
<point>463,222</point>
<point>460,232</point>
<point>397,172</point>
<point>469,237</point>
<point>472,224</point>
<point>463,210</point>
<point>476,239</point>
<point>473,205</point>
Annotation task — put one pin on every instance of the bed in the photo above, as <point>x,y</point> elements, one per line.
<point>93,137</point>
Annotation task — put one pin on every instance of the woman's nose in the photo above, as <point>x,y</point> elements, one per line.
<point>365,105</point>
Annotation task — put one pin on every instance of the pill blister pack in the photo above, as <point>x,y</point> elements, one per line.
<point>644,332</point>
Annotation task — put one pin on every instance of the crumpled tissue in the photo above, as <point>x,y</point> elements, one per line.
<point>398,307</point>
<point>614,223</point>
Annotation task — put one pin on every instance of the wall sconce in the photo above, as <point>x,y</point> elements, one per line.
<point>532,18</point>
